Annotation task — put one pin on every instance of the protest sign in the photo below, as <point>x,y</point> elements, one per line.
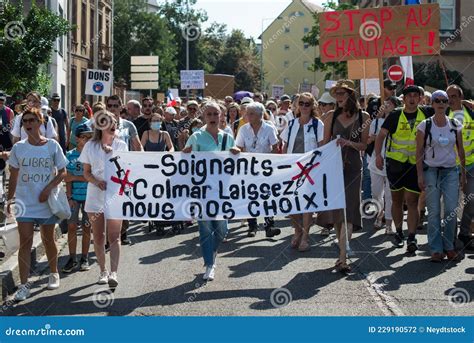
<point>379,32</point>
<point>277,91</point>
<point>219,185</point>
<point>98,82</point>
<point>192,79</point>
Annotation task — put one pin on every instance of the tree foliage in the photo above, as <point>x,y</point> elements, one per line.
<point>431,74</point>
<point>26,46</point>
<point>332,69</point>
<point>138,32</point>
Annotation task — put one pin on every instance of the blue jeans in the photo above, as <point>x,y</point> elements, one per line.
<point>366,182</point>
<point>441,182</point>
<point>211,234</point>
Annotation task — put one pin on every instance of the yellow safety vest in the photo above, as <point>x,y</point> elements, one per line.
<point>402,143</point>
<point>467,136</point>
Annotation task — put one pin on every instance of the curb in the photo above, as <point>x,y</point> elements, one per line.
<point>9,269</point>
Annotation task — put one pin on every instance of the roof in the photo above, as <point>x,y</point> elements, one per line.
<point>312,5</point>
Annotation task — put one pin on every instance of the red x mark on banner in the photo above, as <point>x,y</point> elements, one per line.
<point>123,183</point>
<point>305,172</point>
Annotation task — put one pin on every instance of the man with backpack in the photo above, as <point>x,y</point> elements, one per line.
<point>400,130</point>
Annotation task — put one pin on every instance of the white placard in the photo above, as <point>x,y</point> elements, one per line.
<point>277,91</point>
<point>373,86</point>
<point>330,84</point>
<point>192,79</point>
<point>220,185</point>
<point>98,82</point>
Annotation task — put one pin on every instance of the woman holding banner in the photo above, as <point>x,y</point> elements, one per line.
<point>303,134</point>
<point>349,125</point>
<point>100,148</point>
<point>210,138</point>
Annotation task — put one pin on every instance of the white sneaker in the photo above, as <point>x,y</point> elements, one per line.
<point>113,283</point>
<point>209,274</point>
<point>23,293</point>
<point>103,278</point>
<point>53,282</point>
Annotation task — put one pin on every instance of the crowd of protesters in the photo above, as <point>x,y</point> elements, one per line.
<point>408,153</point>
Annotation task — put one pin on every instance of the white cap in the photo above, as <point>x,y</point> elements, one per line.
<point>44,102</point>
<point>246,100</point>
<point>170,110</point>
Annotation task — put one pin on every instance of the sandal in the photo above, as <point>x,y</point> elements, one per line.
<point>304,246</point>
<point>296,241</point>
<point>343,267</point>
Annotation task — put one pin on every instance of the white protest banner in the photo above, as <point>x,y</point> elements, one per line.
<point>219,185</point>
<point>98,82</point>
<point>373,86</point>
<point>192,79</point>
<point>277,91</point>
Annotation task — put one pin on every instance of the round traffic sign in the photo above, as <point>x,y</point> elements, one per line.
<point>395,73</point>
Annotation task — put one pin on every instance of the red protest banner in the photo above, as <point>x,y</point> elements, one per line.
<point>379,32</point>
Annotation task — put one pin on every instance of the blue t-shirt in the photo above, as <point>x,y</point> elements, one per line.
<point>76,168</point>
<point>203,141</point>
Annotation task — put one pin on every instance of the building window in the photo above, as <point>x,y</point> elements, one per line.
<point>306,30</point>
<point>306,46</point>
<point>84,24</point>
<point>74,20</point>
<point>286,64</point>
<point>448,15</point>
<point>73,86</point>
<point>61,39</point>
<point>286,47</point>
<point>92,34</point>
<point>83,86</point>
<point>286,80</point>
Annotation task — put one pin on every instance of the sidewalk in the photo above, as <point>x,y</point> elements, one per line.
<point>9,271</point>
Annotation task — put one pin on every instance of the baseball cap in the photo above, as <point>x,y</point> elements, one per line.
<point>82,129</point>
<point>285,97</point>
<point>246,100</point>
<point>170,110</point>
<point>387,83</point>
<point>327,98</point>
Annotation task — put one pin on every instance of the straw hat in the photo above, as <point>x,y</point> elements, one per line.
<point>344,84</point>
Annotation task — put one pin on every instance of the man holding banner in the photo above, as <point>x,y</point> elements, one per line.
<point>210,138</point>
<point>260,137</point>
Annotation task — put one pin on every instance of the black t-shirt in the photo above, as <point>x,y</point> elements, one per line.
<point>142,124</point>
<point>172,129</point>
<point>391,122</point>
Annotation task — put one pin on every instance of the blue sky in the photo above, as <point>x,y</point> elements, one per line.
<point>246,15</point>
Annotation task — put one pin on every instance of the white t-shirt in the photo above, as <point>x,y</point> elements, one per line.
<point>49,132</point>
<point>262,142</point>
<point>309,137</point>
<point>371,159</point>
<point>93,154</point>
<point>281,121</point>
<point>440,150</point>
<point>37,166</point>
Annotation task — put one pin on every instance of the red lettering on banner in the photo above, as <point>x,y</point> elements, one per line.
<point>417,18</point>
<point>340,48</point>
<point>350,16</point>
<point>325,49</point>
<point>415,45</point>
<point>386,16</point>
<point>332,17</point>
<point>369,17</point>
<point>402,49</point>
<point>387,47</point>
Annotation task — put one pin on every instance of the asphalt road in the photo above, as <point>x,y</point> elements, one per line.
<point>162,276</point>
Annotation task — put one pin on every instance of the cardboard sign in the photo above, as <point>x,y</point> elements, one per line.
<point>277,91</point>
<point>192,79</point>
<point>219,86</point>
<point>363,69</point>
<point>379,32</point>
<point>98,82</point>
<point>219,185</point>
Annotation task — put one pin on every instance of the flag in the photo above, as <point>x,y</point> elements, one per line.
<point>412,2</point>
<point>407,65</point>
<point>170,101</point>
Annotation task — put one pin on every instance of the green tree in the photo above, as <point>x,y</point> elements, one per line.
<point>138,33</point>
<point>211,46</point>
<point>332,69</point>
<point>185,25</point>
<point>240,58</point>
<point>26,46</point>
<point>431,74</point>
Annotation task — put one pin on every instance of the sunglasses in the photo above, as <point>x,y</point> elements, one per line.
<point>113,105</point>
<point>149,105</point>
<point>324,104</point>
<point>192,108</point>
<point>212,113</point>
<point>31,120</point>
<point>254,144</point>
<point>79,111</point>
<point>440,101</point>
<point>340,93</point>
<point>305,104</point>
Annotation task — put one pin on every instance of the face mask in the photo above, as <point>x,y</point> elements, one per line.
<point>156,125</point>
<point>195,129</point>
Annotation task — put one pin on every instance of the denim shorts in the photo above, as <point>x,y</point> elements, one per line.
<point>39,221</point>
